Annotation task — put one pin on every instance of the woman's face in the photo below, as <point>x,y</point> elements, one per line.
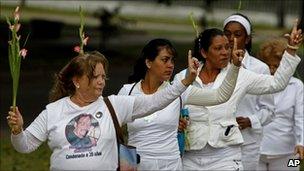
<point>163,65</point>
<point>93,89</point>
<point>273,60</point>
<point>236,30</point>
<point>218,54</point>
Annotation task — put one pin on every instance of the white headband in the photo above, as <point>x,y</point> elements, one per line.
<point>241,20</point>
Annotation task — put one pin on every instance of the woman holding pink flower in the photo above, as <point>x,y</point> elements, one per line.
<point>77,124</point>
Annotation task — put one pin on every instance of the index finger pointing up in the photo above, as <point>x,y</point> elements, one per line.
<point>295,26</point>
<point>234,44</point>
<point>189,56</point>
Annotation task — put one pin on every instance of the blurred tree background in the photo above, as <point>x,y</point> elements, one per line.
<point>118,29</point>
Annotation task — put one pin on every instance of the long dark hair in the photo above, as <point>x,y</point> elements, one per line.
<point>150,52</point>
<point>80,65</point>
<point>204,41</point>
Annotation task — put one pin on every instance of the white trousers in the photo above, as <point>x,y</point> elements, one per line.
<point>276,163</point>
<point>250,156</point>
<point>215,159</point>
<point>159,164</point>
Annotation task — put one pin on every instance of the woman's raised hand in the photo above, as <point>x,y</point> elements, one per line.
<point>237,54</point>
<point>15,120</point>
<point>193,65</point>
<point>295,38</point>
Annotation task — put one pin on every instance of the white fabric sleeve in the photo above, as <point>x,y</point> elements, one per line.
<point>39,126</point>
<point>265,84</point>
<point>122,91</point>
<point>299,115</point>
<point>25,142</point>
<point>148,104</point>
<point>208,97</point>
<point>265,107</point>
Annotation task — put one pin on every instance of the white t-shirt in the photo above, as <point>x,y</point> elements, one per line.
<point>155,135</point>
<point>94,153</point>
<point>88,142</point>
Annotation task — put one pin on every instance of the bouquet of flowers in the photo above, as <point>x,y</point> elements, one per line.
<point>14,52</point>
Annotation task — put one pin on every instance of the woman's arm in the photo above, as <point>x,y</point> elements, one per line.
<point>299,120</point>
<point>207,97</point>
<point>25,142</point>
<point>267,84</point>
<point>262,84</point>
<point>28,140</point>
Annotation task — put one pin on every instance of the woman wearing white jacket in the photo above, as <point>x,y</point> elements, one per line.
<point>215,138</point>
<point>283,138</point>
<point>155,136</point>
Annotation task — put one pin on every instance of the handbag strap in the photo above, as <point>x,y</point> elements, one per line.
<point>132,88</point>
<point>118,130</point>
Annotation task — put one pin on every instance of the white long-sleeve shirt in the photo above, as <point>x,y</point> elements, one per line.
<point>155,136</point>
<point>286,130</point>
<point>210,127</point>
<point>258,108</point>
<point>97,149</point>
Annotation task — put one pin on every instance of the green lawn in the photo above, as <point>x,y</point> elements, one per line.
<point>12,160</point>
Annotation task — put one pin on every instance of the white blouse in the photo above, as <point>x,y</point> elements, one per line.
<point>286,130</point>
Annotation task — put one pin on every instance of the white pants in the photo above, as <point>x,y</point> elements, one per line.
<point>276,163</point>
<point>159,164</point>
<point>215,159</point>
<point>251,156</point>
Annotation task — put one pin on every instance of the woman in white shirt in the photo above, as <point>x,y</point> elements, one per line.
<point>77,123</point>
<point>214,135</point>
<point>254,111</point>
<point>283,138</point>
<point>155,136</point>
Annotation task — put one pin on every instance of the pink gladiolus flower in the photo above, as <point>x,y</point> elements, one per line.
<point>77,49</point>
<point>85,41</point>
<point>17,14</point>
<point>17,9</point>
<point>23,53</point>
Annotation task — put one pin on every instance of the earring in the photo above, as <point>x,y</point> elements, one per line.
<point>77,86</point>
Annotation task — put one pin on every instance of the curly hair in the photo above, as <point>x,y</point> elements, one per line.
<point>272,49</point>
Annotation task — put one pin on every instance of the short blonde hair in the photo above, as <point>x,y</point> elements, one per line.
<point>272,49</point>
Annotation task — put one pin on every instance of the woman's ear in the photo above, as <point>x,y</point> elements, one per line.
<point>75,82</point>
<point>148,63</point>
<point>203,53</point>
<point>248,38</point>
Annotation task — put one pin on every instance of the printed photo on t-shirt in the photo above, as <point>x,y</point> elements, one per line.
<point>82,132</point>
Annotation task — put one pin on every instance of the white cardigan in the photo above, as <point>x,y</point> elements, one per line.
<point>210,127</point>
<point>286,130</point>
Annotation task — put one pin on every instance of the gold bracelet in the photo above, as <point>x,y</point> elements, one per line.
<point>292,47</point>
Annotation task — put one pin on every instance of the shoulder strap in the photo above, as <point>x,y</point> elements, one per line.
<point>180,106</point>
<point>132,88</point>
<point>115,121</point>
